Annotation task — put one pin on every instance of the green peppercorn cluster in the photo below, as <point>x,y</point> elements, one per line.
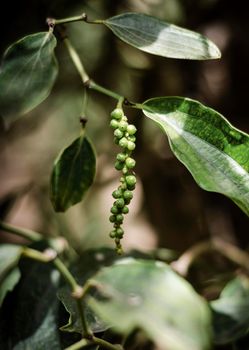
<point>124,136</point>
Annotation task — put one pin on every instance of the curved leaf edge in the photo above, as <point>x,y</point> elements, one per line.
<point>55,62</point>
<point>218,55</point>
<point>151,110</point>
<point>57,208</point>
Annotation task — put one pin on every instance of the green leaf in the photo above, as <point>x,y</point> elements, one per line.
<point>83,269</point>
<point>231,311</point>
<point>9,273</point>
<point>73,174</point>
<point>160,38</point>
<point>74,323</point>
<point>28,72</point>
<point>29,320</point>
<point>216,153</point>
<point>148,295</point>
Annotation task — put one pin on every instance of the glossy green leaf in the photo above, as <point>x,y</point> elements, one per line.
<point>9,273</point>
<point>216,153</point>
<point>231,311</point>
<point>28,72</point>
<point>160,38</point>
<point>73,174</point>
<point>148,295</point>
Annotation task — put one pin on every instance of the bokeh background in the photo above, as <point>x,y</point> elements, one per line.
<point>169,210</point>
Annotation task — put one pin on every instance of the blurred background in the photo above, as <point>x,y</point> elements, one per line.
<point>169,210</point>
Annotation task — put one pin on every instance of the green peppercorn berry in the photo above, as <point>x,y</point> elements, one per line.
<point>114,124</point>
<point>125,210</point>
<point>131,145</point>
<point>130,180</point>
<point>123,142</point>
<point>119,218</point>
<point>125,170</point>
<point>117,194</point>
<point>131,129</point>
<point>120,203</point>
<point>119,251</point>
<point>112,218</point>
<point>117,114</point>
<point>121,157</point>
<point>119,232</point>
<point>127,195</point>
<point>130,162</point>
<point>119,165</point>
<point>131,187</point>
<point>112,234</point>
<point>117,241</point>
<point>123,125</point>
<point>131,138</point>
<point>114,209</point>
<point>118,133</point>
<point>123,186</point>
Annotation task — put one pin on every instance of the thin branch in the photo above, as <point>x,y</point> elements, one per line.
<point>79,345</point>
<point>94,340</point>
<point>182,264</point>
<point>21,232</point>
<point>46,256</point>
<point>231,252</point>
<point>53,21</point>
<point>105,344</point>
<point>94,86</point>
<point>68,277</point>
<point>76,60</point>
<point>83,17</point>
<point>88,83</point>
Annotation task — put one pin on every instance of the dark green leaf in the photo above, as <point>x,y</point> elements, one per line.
<point>8,283</point>
<point>9,273</point>
<point>29,320</point>
<point>150,296</point>
<point>74,323</point>
<point>231,311</point>
<point>73,174</point>
<point>154,36</point>
<point>83,269</point>
<point>216,153</point>
<point>28,72</point>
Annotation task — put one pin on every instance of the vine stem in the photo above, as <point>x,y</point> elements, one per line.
<point>24,233</point>
<point>76,60</point>
<point>226,249</point>
<point>88,83</point>
<point>82,17</point>
<point>79,18</point>
<point>94,340</point>
<point>58,243</point>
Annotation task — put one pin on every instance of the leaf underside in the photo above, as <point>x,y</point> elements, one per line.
<point>160,38</point>
<point>28,72</point>
<point>216,153</point>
